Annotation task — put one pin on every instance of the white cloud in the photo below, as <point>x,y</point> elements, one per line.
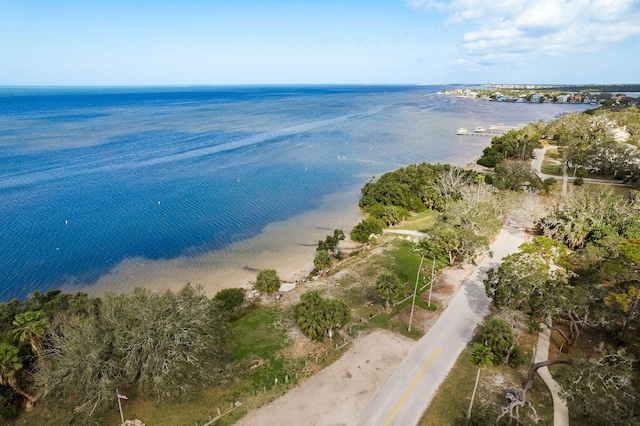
<point>439,5</point>
<point>517,31</point>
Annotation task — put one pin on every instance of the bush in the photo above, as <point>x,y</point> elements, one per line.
<point>268,281</point>
<point>497,335</point>
<point>317,316</point>
<point>322,260</point>
<point>362,231</point>
<point>229,299</point>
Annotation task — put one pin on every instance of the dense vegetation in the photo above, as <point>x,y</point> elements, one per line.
<point>584,276</point>
<point>602,142</point>
<point>70,350</point>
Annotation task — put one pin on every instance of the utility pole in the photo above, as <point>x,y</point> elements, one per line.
<point>433,276</point>
<point>415,291</point>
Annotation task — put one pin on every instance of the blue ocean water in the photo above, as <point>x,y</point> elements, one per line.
<point>90,177</point>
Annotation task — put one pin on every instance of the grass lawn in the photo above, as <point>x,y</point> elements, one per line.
<point>450,404</point>
<point>419,222</point>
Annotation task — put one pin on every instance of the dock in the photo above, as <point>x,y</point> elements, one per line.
<point>494,130</point>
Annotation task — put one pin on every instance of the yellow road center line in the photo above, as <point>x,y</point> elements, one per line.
<point>413,385</point>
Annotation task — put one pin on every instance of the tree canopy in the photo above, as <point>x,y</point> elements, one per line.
<point>267,281</point>
<point>317,316</point>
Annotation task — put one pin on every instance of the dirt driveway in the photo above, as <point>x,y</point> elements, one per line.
<point>339,393</point>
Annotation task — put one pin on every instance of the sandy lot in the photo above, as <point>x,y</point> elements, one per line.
<point>340,392</point>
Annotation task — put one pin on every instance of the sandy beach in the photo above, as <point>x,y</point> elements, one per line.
<point>288,247</point>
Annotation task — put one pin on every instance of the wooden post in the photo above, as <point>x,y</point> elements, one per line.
<point>119,405</point>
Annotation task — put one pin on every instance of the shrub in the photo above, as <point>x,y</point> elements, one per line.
<point>229,299</point>
<point>362,231</point>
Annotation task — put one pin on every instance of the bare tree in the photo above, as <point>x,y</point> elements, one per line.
<point>518,397</point>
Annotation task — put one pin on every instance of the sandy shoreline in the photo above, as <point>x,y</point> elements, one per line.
<point>288,247</point>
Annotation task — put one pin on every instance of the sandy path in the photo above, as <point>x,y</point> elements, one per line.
<point>340,392</point>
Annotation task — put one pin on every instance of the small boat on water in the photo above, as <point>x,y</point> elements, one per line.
<point>462,131</point>
<point>479,129</point>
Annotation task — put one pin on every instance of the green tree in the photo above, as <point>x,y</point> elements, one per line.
<point>10,365</point>
<point>621,275</point>
<point>601,388</point>
<point>498,336</point>
<point>387,287</point>
<point>229,299</point>
<point>460,244</point>
<point>483,221</point>
<point>168,343</point>
<point>322,260</point>
<point>515,175</point>
<point>309,315</point>
<point>80,368</point>
<point>590,215</point>
<point>391,215</point>
<point>330,244</point>
<point>30,327</point>
<point>520,283</point>
<point>548,184</point>
<point>367,227</point>
<point>268,281</point>
<point>482,357</point>
<point>336,314</point>
<point>317,316</point>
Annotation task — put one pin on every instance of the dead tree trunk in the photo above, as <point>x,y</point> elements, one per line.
<point>572,336</point>
<point>518,397</point>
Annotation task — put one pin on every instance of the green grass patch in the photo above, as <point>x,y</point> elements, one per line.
<point>406,260</point>
<point>421,222</point>
<point>258,336</point>
<point>551,169</point>
<point>451,402</point>
<point>554,154</point>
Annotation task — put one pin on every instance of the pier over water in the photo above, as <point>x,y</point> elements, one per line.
<point>494,130</point>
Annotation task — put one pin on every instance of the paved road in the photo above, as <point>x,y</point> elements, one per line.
<point>408,392</point>
<point>536,165</point>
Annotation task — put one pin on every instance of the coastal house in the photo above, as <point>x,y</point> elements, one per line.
<point>577,98</point>
<point>536,98</point>
<point>563,99</point>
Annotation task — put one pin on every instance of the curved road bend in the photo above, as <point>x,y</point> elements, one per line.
<point>536,165</point>
<point>408,392</point>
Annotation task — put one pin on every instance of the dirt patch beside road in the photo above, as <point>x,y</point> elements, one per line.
<point>340,392</point>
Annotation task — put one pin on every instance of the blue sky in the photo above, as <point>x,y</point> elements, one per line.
<point>157,42</point>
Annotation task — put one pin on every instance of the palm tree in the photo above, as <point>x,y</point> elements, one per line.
<point>387,287</point>
<point>482,357</point>
<point>30,327</point>
<point>9,366</point>
<point>310,316</point>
